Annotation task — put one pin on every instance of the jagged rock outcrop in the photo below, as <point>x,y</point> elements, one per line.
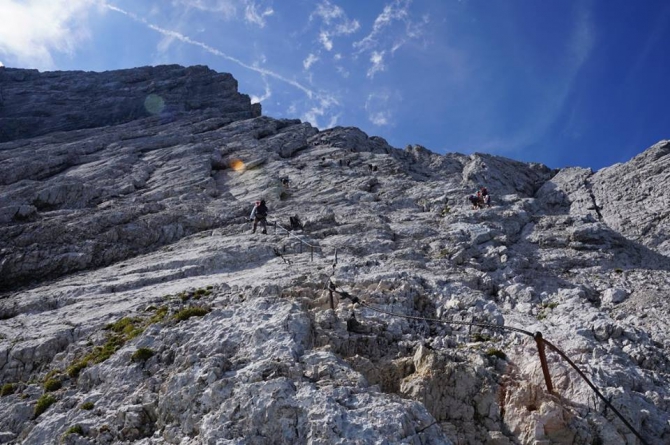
<point>633,200</point>
<point>137,308</point>
<point>34,104</point>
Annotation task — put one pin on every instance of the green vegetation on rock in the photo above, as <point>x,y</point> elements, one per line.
<point>478,337</point>
<point>142,355</point>
<point>87,406</point>
<point>159,315</point>
<point>195,311</point>
<point>493,352</point>
<point>130,327</point>
<point>74,369</point>
<point>43,403</point>
<point>52,384</point>
<point>75,429</point>
<point>7,389</point>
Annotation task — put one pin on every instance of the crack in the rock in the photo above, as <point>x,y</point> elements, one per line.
<point>595,206</point>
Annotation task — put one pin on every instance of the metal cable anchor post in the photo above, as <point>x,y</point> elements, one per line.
<point>543,361</point>
<point>331,287</point>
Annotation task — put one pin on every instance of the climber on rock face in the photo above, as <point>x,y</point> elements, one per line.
<point>295,223</point>
<point>481,199</point>
<point>259,214</point>
<point>485,197</point>
<point>474,200</point>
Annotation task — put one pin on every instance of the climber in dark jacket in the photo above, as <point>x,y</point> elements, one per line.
<point>259,214</point>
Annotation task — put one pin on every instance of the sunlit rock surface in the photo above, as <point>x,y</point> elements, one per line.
<point>134,291</point>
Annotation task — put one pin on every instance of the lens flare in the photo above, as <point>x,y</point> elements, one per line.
<point>154,104</point>
<point>237,165</point>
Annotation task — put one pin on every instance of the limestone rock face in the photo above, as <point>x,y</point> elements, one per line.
<point>137,307</point>
<point>34,103</point>
<point>633,198</point>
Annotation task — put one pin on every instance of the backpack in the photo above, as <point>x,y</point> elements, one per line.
<point>261,211</point>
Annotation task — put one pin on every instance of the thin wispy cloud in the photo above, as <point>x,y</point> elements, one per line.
<point>254,16</point>
<point>325,104</point>
<point>227,8</point>
<point>397,10</point>
<point>335,22</point>
<point>655,38</point>
<point>185,39</point>
<point>268,93</point>
<point>385,38</point>
<point>248,10</point>
<point>377,61</point>
<point>379,106</point>
<point>315,113</point>
<point>326,41</point>
<point>579,47</point>
<point>32,31</point>
<point>334,15</point>
<point>342,71</point>
<point>309,61</point>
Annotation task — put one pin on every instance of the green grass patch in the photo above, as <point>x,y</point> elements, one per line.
<point>87,406</point>
<point>443,253</point>
<point>75,429</point>
<point>159,315</point>
<point>52,384</point>
<point>199,293</point>
<point>195,311</point>
<point>43,403</point>
<point>75,369</point>
<point>102,353</point>
<point>51,374</point>
<point>142,355</point>
<point>7,389</point>
<point>546,307</point>
<point>130,327</point>
<point>478,337</point>
<point>493,352</point>
<point>120,333</point>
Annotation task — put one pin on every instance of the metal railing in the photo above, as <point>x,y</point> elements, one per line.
<point>540,341</point>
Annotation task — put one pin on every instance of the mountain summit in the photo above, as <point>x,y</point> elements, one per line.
<point>381,307</point>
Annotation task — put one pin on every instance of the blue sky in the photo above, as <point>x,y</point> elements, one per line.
<point>561,82</point>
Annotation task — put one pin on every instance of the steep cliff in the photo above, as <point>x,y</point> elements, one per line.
<point>138,307</point>
<point>34,103</point>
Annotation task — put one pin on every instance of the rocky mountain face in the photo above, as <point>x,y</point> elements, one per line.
<point>137,307</point>
<point>34,104</point>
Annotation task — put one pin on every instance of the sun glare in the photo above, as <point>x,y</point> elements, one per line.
<point>154,104</point>
<point>237,165</point>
